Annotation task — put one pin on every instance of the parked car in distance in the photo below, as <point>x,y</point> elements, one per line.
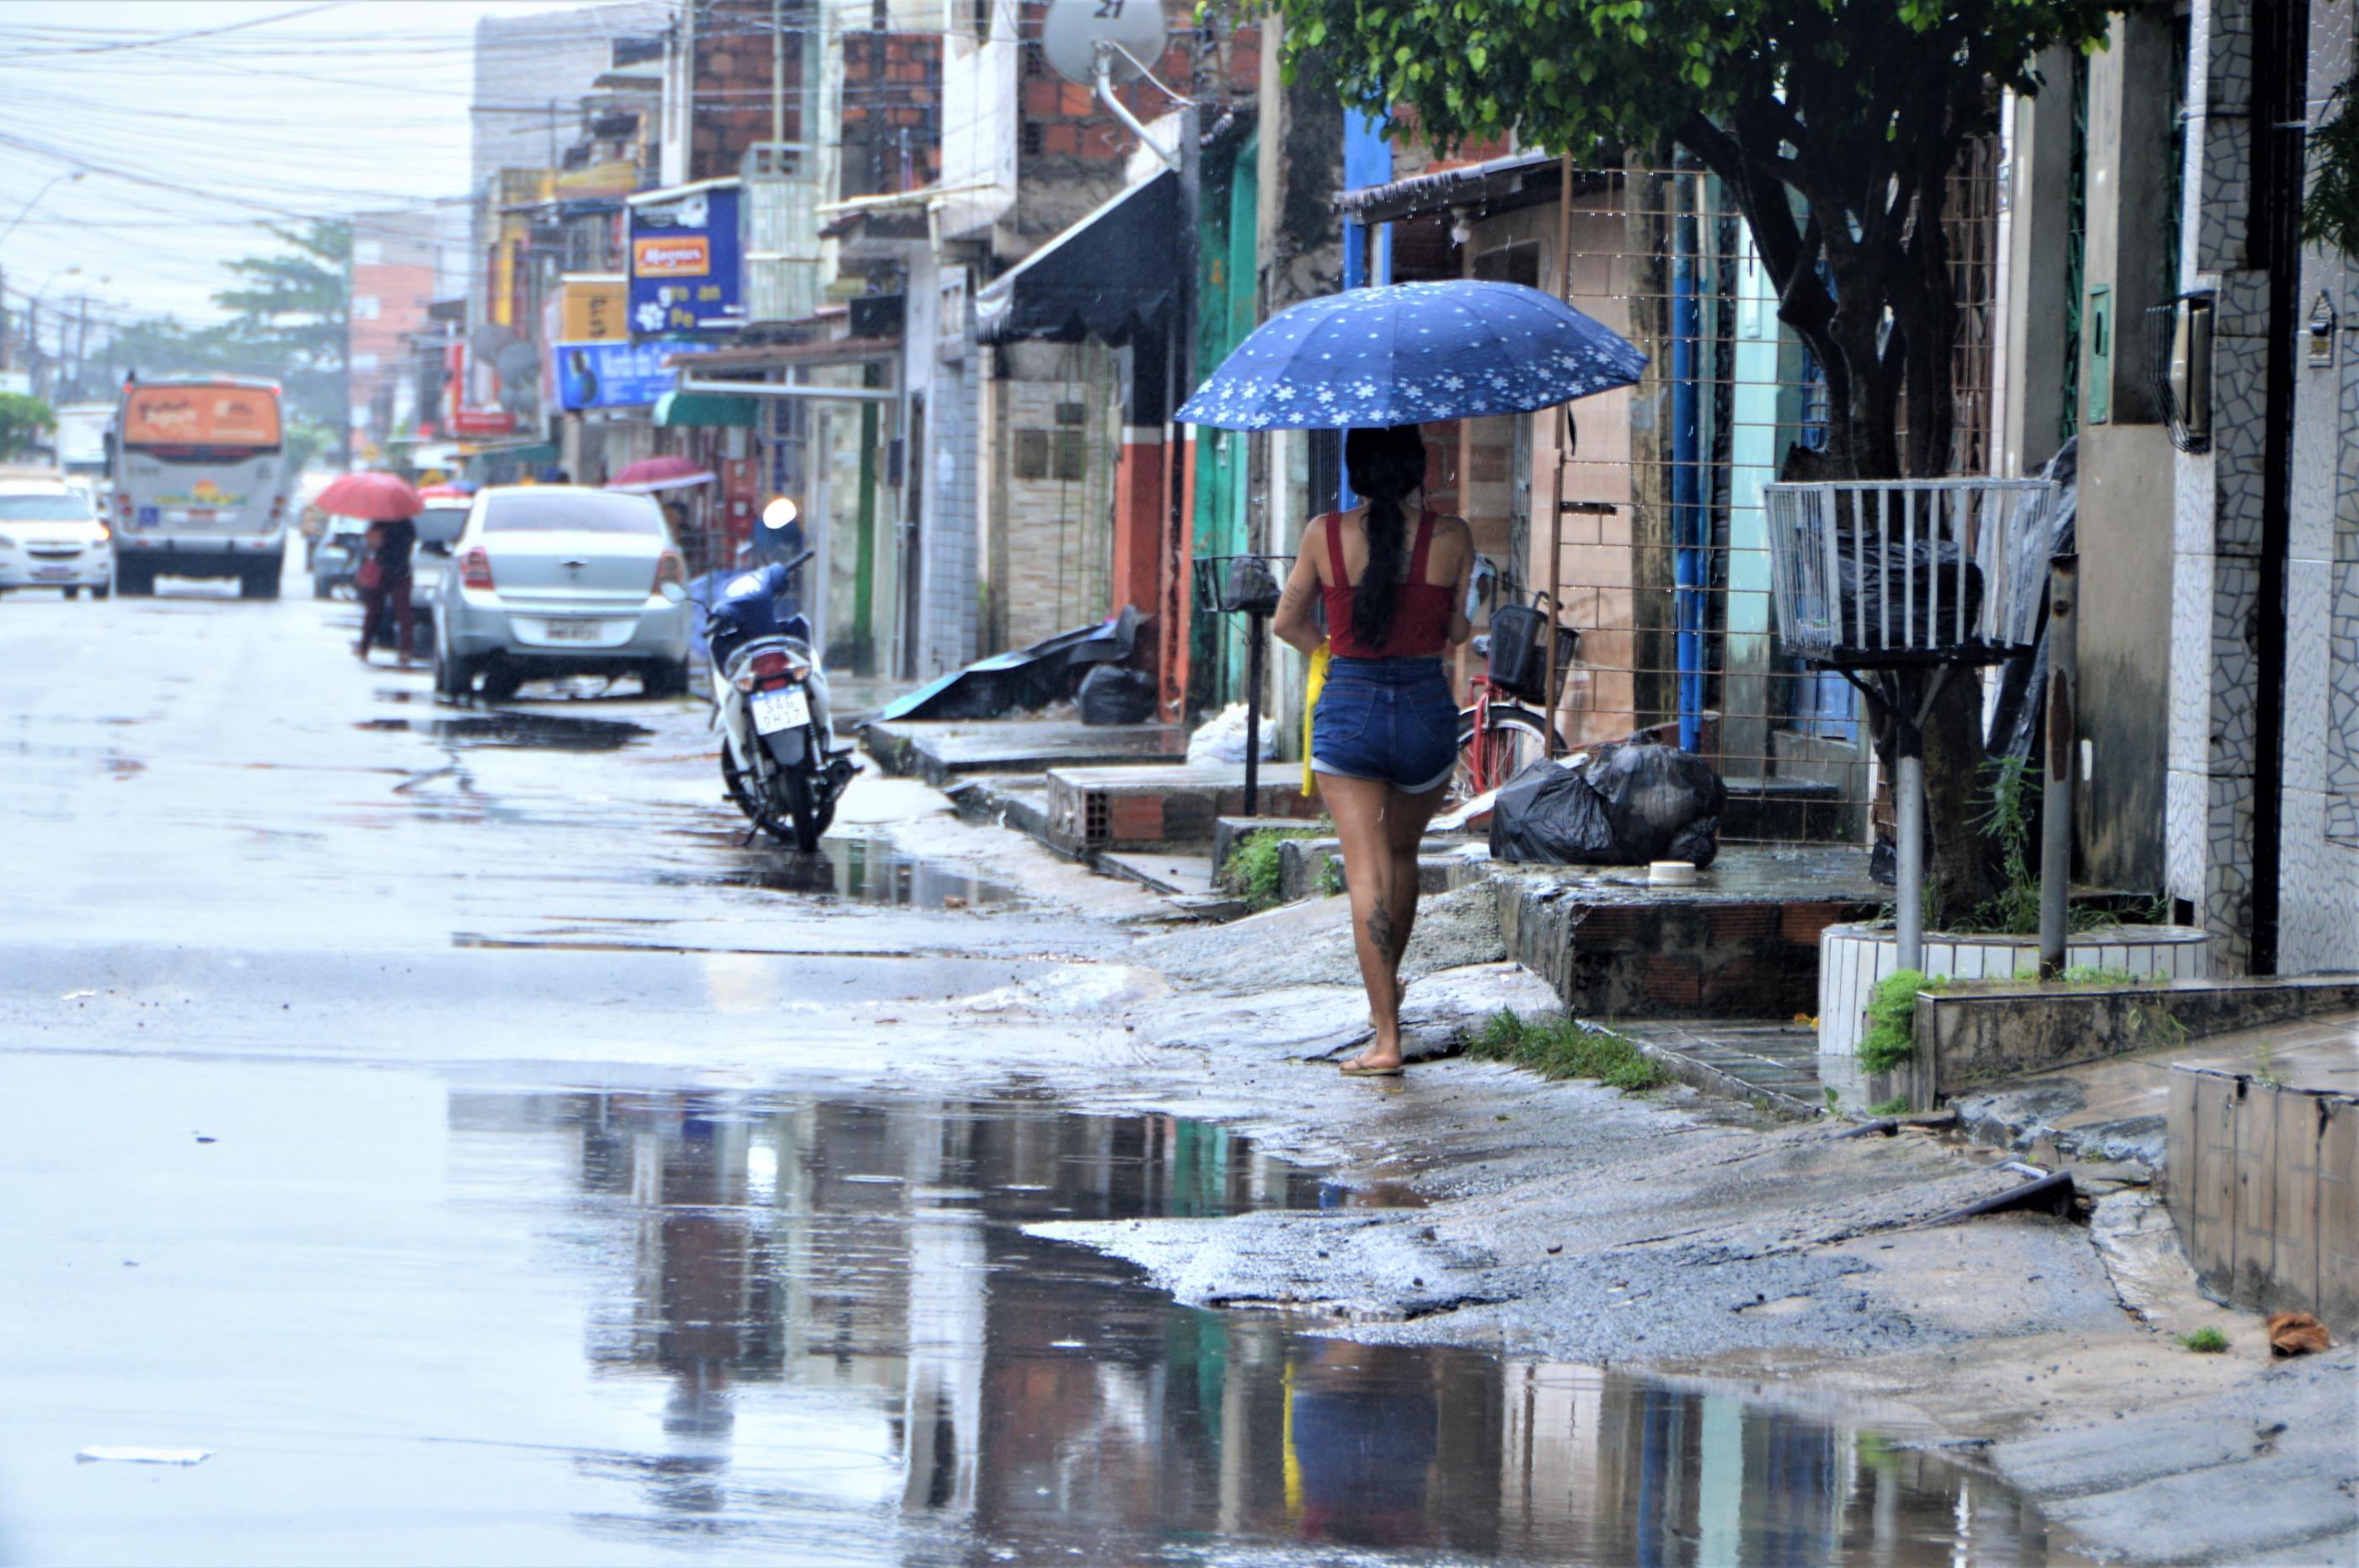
<point>438,530</point>
<point>336,557</point>
<point>50,537</point>
<point>551,580</point>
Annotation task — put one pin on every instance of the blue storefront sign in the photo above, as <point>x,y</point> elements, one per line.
<point>687,260</point>
<point>617,374</point>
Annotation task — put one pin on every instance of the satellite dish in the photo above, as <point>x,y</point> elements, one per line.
<point>487,339</point>
<point>517,364</point>
<point>1071,31</point>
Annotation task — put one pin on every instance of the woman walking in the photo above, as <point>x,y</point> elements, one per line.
<point>1385,734</point>
<point>384,583</point>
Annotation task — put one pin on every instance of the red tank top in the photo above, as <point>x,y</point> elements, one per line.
<point>1420,625</point>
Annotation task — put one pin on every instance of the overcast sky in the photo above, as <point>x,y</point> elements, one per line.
<point>270,110</point>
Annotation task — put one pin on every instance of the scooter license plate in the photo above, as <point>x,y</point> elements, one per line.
<point>775,711</point>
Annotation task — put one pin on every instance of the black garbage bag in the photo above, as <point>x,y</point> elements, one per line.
<point>1549,813</point>
<point>1031,677</point>
<point>1625,805</point>
<point>1663,803</point>
<point>1874,582</point>
<point>1111,694</point>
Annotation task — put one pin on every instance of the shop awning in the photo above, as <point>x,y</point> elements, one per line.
<point>705,408</point>
<point>1109,277</point>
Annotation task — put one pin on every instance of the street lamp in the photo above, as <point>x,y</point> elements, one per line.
<point>23,211</point>
<point>33,322</point>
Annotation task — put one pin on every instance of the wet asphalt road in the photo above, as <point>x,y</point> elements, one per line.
<point>269,912</point>
<point>440,1119</point>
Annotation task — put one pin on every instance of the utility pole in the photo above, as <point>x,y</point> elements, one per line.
<point>81,343</point>
<point>778,74</point>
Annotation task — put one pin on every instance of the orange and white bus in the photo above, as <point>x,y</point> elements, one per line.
<point>201,482</point>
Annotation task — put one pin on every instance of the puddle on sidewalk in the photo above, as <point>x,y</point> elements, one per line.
<point>855,870</point>
<point>823,1325</point>
<point>529,731</point>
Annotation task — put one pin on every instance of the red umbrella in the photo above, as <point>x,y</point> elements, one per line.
<point>652,474</point>
<point>371,497</point>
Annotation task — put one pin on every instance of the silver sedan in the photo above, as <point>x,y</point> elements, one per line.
<point>550,580</point>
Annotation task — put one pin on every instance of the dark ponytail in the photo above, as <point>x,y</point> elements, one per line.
<point>1384,464</point>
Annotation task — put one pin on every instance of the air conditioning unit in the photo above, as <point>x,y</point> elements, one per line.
<point>785,263</point>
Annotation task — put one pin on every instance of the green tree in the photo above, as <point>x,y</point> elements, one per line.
<point>1834,125</point>
<point>22,418</point>
<point>293,311</point>
<point>2330,211</point>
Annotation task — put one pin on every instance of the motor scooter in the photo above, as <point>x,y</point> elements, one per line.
<point>778,759</point>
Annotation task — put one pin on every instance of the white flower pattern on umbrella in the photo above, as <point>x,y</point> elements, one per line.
<point>1448,350</point>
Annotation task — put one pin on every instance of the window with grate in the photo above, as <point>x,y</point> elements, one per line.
<point>1070,454</point>
<point>1072,414</point>
<point>1031,455</point>
<point>1031,142</point>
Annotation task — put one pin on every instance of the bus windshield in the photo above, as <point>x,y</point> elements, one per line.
<point>237,421</point>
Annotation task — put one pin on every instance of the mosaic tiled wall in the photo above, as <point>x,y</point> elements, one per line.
<point>2208,795</point>
<point>2215,603</point>
<point>2320,896</point>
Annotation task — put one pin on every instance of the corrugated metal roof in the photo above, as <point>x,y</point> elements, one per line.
<point>1518,179</point>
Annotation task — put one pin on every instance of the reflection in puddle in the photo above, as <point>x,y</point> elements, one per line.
<point>857,870</point>
<point>539,732</point>
<point>836,1338</point>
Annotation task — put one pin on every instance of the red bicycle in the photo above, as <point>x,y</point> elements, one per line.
<point>1505,729</point>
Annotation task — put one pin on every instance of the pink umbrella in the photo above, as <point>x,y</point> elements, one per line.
<point>650,475</point>
<point>371,497</point>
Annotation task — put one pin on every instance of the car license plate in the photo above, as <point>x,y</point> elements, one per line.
<point>576,631</point>
<point>775,711</point>
<point>53,572</point>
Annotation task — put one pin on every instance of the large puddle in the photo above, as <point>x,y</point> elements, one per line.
<point>853,870</point>
<point>834,1341</point>
<point>520,727</point>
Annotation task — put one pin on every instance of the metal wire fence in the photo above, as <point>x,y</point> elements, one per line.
<point>1662,563</point>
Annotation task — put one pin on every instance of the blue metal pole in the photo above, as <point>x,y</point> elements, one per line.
<point>1687,512</point>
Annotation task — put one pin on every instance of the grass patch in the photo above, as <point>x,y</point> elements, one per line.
<point>1252,870</point>
<point>1565,1048</point>
<point>1895,1106</point>
<point>2204,1342</point>
<point>1891,1037</point>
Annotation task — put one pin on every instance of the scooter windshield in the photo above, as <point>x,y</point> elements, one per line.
<point>755,604</point>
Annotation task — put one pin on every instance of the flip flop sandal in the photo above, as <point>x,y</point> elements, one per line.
<point>1352,1069</point>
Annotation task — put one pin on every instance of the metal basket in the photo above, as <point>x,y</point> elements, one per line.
<point>1230,584</point>
<point>1892,572</point>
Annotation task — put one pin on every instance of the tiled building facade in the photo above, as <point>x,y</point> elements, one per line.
<point>2234,801</point>
<point>2319,847</point>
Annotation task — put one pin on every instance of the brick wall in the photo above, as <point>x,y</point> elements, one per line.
<point>734,57</point>
<point>1071,152</point>
<point>892,112</point>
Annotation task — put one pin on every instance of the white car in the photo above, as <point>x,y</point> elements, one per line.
<point>49,537</point>
<point>548,580</point>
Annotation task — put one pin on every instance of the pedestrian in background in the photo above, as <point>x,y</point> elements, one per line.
<point>1384,737</point>
<point>382,579</point>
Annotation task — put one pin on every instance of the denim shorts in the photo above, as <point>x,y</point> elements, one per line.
<point>1391,720</point>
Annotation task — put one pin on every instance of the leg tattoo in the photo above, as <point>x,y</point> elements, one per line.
<point>1380,931</point>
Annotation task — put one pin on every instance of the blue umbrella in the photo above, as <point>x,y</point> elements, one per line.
<point>1411,353</point>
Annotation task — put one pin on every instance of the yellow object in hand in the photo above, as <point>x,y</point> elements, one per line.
<point>1317,679</point>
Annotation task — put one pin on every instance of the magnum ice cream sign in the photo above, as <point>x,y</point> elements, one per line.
<point>687,269</point>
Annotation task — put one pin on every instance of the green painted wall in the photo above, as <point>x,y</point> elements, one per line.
<point>1228,293</point>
